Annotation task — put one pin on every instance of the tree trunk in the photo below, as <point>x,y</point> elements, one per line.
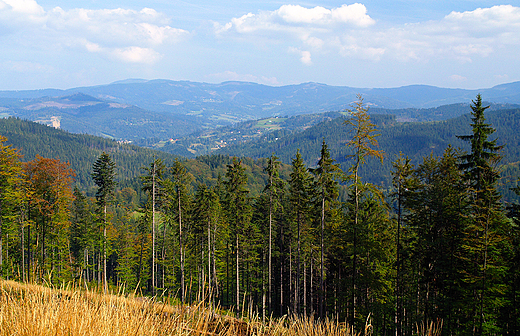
<point>322,283</point>
<point>181,246</point>
<point>153,228</point>
<point>269,294</point>
<point>105,284</point>
<point>237,270</point>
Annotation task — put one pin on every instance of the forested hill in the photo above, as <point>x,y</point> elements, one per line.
<point>82,150</point>
<point>413,139</point>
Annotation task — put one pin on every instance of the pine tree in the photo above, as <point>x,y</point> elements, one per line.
<point>104,177</point>
<point>152,184</point>
<point>436,205</point>
<point>238,211</point>
<point>273,188</point>
<point>300,194</point>
<point>206,214</point>
<point>178,202</point>
<point>326,189</point>
<point>81,232</point>
<point>485,233</point>
<point>362,145</point>
<point>401,175</point>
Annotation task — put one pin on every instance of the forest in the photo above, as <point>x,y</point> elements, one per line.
<point>438,246</point>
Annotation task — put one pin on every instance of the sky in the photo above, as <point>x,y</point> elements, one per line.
<point>467,44</point>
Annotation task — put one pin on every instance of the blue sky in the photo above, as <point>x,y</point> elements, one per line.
<point>374,43</point>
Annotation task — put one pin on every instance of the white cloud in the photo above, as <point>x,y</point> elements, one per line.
<point>127,35</point>
<point>288,16</point>
<point>305,56</point>
<point>30,7</point>
<point>351,32</point>
<point>355,15</point>
<point>298,14</point>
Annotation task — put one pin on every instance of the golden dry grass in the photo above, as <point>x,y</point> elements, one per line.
<point>33,310</point>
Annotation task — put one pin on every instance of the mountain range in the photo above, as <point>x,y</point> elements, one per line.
<point>140,110</point>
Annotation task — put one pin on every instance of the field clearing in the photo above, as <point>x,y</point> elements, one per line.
<point>271,123</point>
<point>35,310</point>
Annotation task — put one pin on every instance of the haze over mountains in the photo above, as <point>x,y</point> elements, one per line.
<point>162,109</point>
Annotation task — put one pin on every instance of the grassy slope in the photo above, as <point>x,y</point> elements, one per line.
<point>34,310</point>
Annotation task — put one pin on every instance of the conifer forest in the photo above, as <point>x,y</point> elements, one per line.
<point>439,246</point>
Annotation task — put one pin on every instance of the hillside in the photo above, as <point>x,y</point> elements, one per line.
<point>212,140</point>
<point>76,311</point>
<point>81,151</point>
<point>415,140</point>
<point>84,114</point>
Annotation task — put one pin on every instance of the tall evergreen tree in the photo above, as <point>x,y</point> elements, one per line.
<point>152,184</point>
<point>178,200</point>
<point>104,172</point>
<point>485,233</point>
<point>401,176</point>
<point>300,195</point>
<point>206,217</point>
<point>362,144</point>
<point>326,189</point>
<point>274,188</point>
<point>81,233</point>
<point>238,211</point>
<point>436,206</point>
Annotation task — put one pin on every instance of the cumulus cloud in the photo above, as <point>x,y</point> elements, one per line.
<point>127,35</point>
<point>351,32</point>
<point>289,16</point>
<point>305,56</point>
<point>22,6</point>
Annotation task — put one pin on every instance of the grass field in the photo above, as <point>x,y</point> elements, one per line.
<point>35,310</point>
<point>271,123</point>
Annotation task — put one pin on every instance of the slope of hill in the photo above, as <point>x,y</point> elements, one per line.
<point>80,113</point>
<point>415,140</point>
<point>207,141</point>
<point>81,151</point>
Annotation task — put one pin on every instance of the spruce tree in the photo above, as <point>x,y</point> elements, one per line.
<point>104,172</point>
<point>300,194</point>
<point>238,212</point>
<point>362,144</point>
<point>485,232</point>
<point>326,175</point>
<point>274,188</point>
<point>152,184</point>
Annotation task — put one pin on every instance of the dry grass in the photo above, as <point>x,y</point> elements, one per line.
<point>34,310</point>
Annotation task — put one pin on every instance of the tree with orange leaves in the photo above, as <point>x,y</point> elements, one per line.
<point>49,182</point>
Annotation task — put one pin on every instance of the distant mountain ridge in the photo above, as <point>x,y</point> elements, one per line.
<point>150,111</point>
<point>263,101</point>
